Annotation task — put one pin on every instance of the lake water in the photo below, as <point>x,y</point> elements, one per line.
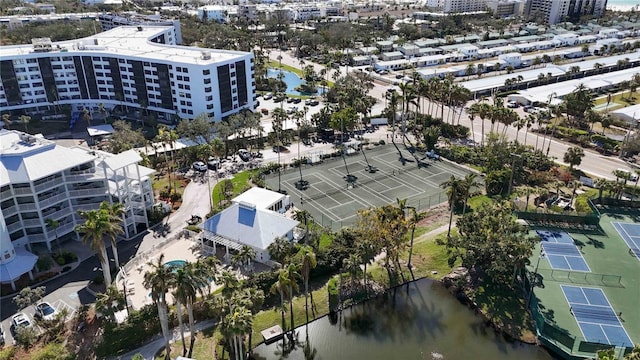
<point>429,323</point>
<point>291,79</point>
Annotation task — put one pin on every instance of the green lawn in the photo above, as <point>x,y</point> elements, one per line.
<point>203,348</point>
<point>240,183</point>
<point>477,201</point>
<point>277,65</point>
<point>622,98</point>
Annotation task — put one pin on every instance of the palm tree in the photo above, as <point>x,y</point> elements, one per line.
<point>452,186</point>
<point>115,212</point>
<point>237,323</point>
<point>199,276</point>
<point>308,262</point>
<point>185,292</point>
<point>6,118</point>
<point>108,302</point>
<point>25,120</point>
<point>351,264</point>
<point>280,249</point>
<point>96,226</point>
<point>468,184</point>
<point>54,224</point>
<point>230,284</point>
<point>244,257</point>
<point>367,251</point>
<point>282,287</point>
<point>159,280</point>
<point>303,216</point>
<point>601,184</point>
<point>293,275</point>
<point>529,121</point>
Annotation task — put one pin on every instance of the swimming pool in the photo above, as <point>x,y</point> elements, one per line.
<point>291,79</point>
<point>176,263</point>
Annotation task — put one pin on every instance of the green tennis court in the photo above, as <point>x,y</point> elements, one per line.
<point>333,201</point>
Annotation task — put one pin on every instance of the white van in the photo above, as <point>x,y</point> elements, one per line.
<point>633,176</point>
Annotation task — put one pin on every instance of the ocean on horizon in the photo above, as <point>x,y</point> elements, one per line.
<point>623,5</point>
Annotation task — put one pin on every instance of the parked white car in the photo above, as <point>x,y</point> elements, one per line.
<point>20,320</point>
<point>46,311</point>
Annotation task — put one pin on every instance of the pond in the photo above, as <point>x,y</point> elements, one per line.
<point>426,323</point>
<point>292,80</point>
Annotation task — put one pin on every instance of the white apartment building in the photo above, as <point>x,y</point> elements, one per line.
<point>555,11</point>
<point>460,6</point>
<point>109,21</point>
<point>248,11</point>
<point>133,67</point>
<point>305,12</point>
<point>217,13</point>
<point>41,180</point>
<point>504,8</point>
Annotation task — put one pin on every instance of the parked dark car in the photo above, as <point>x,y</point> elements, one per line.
<point>194,220</point>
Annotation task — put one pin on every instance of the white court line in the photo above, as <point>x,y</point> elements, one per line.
<point>609,307</point>
<point>369,190</point>
<point>329,181</point>
<point>409,174</point>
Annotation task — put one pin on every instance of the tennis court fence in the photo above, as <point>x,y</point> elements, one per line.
<point>555,337</point>
<point>581,277</point>
<point>422,204</point>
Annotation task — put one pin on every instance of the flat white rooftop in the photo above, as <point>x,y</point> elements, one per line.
<point>261,198</point>
<point>128,41</point>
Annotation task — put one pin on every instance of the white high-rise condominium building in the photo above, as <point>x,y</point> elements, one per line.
<point>41,180</point>
<point>131,67</point>
<point>555,11</point>
<point>459,6</point>
<point>109,21</point>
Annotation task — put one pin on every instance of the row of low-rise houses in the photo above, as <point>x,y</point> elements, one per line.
<point>430,52</point>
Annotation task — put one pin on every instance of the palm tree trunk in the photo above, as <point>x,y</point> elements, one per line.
<point>364,280</point>
<point>181,325</point>
<point>284,325</point>
<point>114,249</point>
<point>291,309</point>
<point>313,305</point>
<point>104,261</point>
<point>306,297</point>
<point>413,231</point>
<point>238,349</point>
<point>191,329</point>
<point>164,325</point>
<point>450,221</point>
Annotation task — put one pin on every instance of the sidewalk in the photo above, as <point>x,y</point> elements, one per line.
<point>149,350</point>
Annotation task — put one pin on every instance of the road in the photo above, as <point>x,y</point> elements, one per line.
<point>593,162</point>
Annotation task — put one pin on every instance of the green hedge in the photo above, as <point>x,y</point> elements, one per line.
<point>65,257</point>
